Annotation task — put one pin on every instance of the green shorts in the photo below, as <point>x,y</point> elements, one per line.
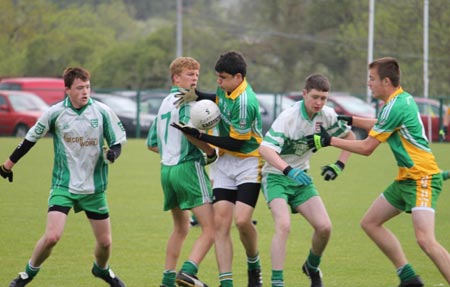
<point>95,202</point>
<point>280,186</point>
<point>185,185</point>
<point>407,195</point>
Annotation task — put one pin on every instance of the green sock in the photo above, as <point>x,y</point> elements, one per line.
<point>189,267</point>
<point>277,278</point>
<point>31,270</point>
<point>313,261</point>
<point>169,278</point>
<point>226,279</point>
<point>100,271</point>
<point>406,272</point>
<point>253,262</point>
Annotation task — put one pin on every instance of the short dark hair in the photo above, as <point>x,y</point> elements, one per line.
<point>72,73</point>
<point>387,67</point>
<point>318,82</point>
<point>232,63</point>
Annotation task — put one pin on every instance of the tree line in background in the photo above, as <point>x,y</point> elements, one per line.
<point>130,43</point>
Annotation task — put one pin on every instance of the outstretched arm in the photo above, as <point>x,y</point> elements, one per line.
<point>363,147</point>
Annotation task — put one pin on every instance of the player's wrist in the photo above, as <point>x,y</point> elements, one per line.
<point>287,169</point>
<point>340,164</point>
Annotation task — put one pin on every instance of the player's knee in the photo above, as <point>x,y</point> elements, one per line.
<point>51,239</point>
<point>243,222</point>
<point>105,242</point>
<point>283,228</point>
<point>426,243</point>
<point>324,229</point>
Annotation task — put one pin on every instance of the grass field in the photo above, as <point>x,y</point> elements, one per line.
<point>140,227</point>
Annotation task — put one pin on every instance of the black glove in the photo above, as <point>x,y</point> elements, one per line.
<point>331,171</point>
<point>187,130</point>
<point>111,155</point>
<point>318,141</point>
<point>6,173</point>
<point>348,119</point>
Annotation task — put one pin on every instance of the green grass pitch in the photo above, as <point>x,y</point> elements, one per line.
<point>140,227</point>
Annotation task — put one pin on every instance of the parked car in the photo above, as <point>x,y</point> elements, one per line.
<point>431,107</point>
<point>51,90</point>
<point>19,111</point>
<point>270,106</point>
<point>126,110</point>
<point>346,104</point>
<point>427,107</point>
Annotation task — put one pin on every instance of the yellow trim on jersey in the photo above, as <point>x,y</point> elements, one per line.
<point>394,94</point>
<point>238,91</point>
<point>424,193</point>
<point>425,163</point>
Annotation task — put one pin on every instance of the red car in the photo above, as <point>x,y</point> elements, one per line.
<point>19,111</point>
<point>51,90</point>
<point>429,108</point>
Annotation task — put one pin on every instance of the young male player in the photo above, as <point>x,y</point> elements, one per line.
<point>237,174</point>
<point>79,126</point>
<point>418,183</point>
<point>185,183</point>
<point>286,184</point>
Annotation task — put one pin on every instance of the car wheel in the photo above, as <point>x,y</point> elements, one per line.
<point>20,131</point>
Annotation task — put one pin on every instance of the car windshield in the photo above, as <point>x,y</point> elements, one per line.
<point>268,101</point>
<point>25,102</point>
<point>120,105</point>
<point>355,105</point>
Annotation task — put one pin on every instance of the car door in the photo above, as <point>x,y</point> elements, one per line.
<point>6,121</point>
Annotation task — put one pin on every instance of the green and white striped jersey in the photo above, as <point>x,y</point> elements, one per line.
<point>78,137</point>
<point>174,148</point>
<point>287,135</point>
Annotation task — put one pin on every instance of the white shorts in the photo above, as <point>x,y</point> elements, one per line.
<point>231,171</point>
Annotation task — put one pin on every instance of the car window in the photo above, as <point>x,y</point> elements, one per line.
<point>119,105</point>
<point>27,103</point>
<point>425,109</point>
<point>151,105</point>
<point>353,105</point>
<point>10,86</point>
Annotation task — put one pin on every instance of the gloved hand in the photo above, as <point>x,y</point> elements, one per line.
<point>445,174</point>
<point>6,173</point>
<point>185,96</point>
<point>297,175</point>
<point>318,141</point>
<point>212,158</point>
<point>109,155</point>
<point>348,119</point>
<point>331,171</point>
<point>443,133</point>
<point>187,130</point>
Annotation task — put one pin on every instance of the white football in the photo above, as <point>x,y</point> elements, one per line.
<point>205,114</point>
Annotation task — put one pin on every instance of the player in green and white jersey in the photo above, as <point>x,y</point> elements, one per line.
<point>418,183</point>
<point>237,178</point>
<point>286,184</point>
<point>184,180</point>
<point>79,127</point>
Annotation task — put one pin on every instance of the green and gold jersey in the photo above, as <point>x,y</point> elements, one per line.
<point>241,119</point>
<point>399,125</point>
